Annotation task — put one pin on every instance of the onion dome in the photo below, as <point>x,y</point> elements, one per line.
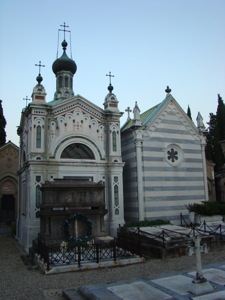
<point>64,63</point>
<point>39,79</point>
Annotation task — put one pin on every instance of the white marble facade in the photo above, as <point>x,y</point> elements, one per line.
<point>69,137</point>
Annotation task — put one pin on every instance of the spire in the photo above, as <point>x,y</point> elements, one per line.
<point>39,78</point>
<point>137,117</point>
<point>110,87</point>
<point>200,124</point>
<point>111,102</point>
<point>39,94</point>
<point>64,69</point>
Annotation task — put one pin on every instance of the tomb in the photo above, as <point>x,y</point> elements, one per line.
<point>72,210</point>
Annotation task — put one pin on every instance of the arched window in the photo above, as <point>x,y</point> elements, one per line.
<point>59,82</point>
<point>77,151</point>
<point>66,82</point>
<point>38,137</point>
<point>114,144</point>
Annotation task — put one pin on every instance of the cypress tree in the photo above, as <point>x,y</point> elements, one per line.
<point>2,126</point>
<point>209,149</point>
<point>216,134</point>
<point>219,134</point>
<point>189,112</point>
<point>221,118</point>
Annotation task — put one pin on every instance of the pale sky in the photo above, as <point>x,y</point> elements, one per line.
<point>146,44</point>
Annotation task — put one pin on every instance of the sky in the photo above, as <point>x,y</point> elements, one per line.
<point>145,44</point>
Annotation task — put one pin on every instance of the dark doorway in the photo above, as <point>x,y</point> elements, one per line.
<point>7,212</point>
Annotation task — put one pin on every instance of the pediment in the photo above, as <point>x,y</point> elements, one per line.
<point>169,109</point>
<point>78,103</point>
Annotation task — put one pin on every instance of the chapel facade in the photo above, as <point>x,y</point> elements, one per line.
<point>68,138</point>
<point>165,167</point>
<point>9,159</point>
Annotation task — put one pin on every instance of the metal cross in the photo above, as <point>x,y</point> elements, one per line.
<point>64,26</point>
<point>110,77</point>
<point>39,65</point>
<point>26,99</point>
<point>128,111</point>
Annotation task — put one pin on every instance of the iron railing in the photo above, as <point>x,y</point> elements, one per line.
<point>57,255</point>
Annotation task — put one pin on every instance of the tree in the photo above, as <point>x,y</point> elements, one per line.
<point>216,134</point>
<point>221,118</point>
<point>189,112</point>
<point>2,126</point>
<point>209,149</point>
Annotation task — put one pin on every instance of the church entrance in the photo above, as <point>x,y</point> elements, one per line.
<point>7,209</point>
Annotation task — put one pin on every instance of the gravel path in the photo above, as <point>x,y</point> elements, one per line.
<point>21,282</point>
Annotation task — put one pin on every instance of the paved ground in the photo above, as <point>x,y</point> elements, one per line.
<point>21,280</point>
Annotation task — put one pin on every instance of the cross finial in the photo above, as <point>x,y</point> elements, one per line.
<point>167,90</point>
<point>39,65</point>
<point>128,112</point>
<point>64,29</point>
<point>26,99</point>
<point>110,77</point>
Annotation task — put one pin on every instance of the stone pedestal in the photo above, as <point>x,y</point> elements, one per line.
<point>200,288</point>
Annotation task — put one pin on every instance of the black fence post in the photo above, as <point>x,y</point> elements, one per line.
<point>97,253</point>
<point>79,255</point>
<point>221,236</point>
<point>47,257</point>
<point>204,223</point>
<point>163,237</point>
<point>114,249</point>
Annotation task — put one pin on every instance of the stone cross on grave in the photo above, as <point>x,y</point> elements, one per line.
<point>128,110</point>
<point>200,284</point>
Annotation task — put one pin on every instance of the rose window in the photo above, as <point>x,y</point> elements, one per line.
<point>173,155</point>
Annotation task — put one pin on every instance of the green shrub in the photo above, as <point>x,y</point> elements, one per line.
<point>146,223</point>
<point>207,208</point>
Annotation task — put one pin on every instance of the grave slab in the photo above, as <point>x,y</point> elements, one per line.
<point>214,296</point>
<point>177,283</point>
<point>213,275</point>
<point>138,290</point>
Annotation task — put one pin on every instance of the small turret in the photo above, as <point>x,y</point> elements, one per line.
<point>111,102</point>
<point>39,94</point>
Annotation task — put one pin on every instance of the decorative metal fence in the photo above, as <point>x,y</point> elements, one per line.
<point>65,254</point>
<point>216,230</point>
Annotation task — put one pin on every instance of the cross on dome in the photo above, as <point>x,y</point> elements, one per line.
<point>39,77</point>
<point>26,99</point>
<point>110,87</point>
<point>39,65</point>
<point>64,29</point>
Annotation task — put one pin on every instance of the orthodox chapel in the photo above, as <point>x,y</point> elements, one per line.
<point>70,159</point>
<point>77,162</point>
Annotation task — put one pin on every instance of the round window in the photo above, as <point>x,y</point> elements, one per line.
<point>174,155</point>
